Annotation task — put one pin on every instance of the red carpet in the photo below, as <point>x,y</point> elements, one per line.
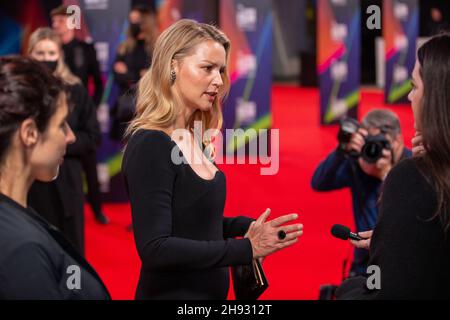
<point>297,272</point>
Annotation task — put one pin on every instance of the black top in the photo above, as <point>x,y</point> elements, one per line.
<point>184,242</point>
<point>136,60</point>
<point>35,260</point>
<point>412,250</point>
<point>81,58</point>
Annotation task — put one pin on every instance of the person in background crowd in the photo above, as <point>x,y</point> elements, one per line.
<point>437,23</point>
<point>61,201</point>
<point>134,58</point>
<point>81,59</point>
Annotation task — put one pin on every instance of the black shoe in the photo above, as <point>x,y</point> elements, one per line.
<point>102,218</point>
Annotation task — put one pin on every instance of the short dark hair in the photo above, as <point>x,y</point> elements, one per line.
<point>27,90</point>
<point>385,120</point>
<point>59,11</point>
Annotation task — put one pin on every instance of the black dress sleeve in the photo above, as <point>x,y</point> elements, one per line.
<point>150,176</point>
<point>236,227</point>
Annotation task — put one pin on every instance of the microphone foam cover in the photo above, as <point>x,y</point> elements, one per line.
<point>340,231</point>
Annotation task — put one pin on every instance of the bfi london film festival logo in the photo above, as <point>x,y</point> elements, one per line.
<point>258,146</point>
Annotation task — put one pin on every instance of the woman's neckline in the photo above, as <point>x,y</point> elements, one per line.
<point>216,174</point>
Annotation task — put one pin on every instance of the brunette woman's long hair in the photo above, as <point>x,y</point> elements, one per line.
<point>434,117</point>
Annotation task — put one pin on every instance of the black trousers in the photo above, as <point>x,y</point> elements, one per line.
<point>89,164</point>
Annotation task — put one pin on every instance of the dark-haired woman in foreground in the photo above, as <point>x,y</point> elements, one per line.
<point>36,261</point>
<point>411,243</point>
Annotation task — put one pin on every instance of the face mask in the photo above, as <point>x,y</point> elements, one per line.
<point>135,29</point>
<point>50,65</point>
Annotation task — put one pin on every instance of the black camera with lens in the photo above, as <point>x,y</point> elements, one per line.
<point>373,147</point>
<point>372,150</point>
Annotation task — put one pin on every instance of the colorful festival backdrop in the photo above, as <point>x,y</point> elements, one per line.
<point>18,19</point>
<point>338,59</point>
<point>400,32</point>
<point>248,24</point>
<point>170,11</point>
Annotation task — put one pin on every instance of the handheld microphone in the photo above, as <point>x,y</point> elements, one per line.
<point>344,233</point>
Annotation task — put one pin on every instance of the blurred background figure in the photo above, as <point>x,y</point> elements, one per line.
<point>437,23</point>
<point>133,58</point>
<point>81,58</point>
<point>61,201</point>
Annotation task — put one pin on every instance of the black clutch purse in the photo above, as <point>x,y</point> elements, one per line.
<point>249,281</point>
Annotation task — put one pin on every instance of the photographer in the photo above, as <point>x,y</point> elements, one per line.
<point>365,155</point>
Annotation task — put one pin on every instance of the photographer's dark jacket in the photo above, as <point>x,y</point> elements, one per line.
<point>339,171</point>
<point>35,260</point>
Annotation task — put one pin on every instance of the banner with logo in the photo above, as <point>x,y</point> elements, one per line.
<point>400,32</point>
<point>248,24</point>
<point>170,11</point>
<point>338,60</point>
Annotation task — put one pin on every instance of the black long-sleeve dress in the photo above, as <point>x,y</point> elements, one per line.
<point>61,201</point>
<point>411,249</point>
<point>184,241</point>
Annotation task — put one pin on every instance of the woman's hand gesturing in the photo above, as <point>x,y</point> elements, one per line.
<point>267,237</point>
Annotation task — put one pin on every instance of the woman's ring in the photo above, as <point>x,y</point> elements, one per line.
<point>281,234</point>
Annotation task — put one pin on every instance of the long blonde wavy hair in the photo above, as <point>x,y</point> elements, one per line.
<point>62,70</point>
<point>156,106</point>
